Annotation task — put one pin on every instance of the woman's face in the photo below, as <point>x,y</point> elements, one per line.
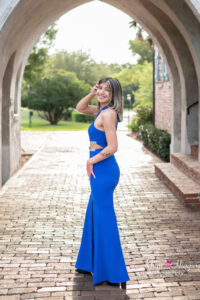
<point>103,93</point>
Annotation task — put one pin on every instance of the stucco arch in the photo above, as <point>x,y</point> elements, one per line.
<point>6,103</point>
<point>173,25</point>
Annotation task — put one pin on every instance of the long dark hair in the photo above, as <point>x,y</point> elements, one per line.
<point>116,95</point>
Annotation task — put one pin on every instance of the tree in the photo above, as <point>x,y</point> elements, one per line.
<point>137,81</point>
<point>39,59</point>
<point>140,32</point>
<point>83,65</point>
<point>141,46</point>
<point>144,93</point>
<point>55,93</point>
<point>127,77</point>
<point>129,82</point>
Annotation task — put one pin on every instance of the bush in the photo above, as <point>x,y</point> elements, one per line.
<point>144,131</point>
<point>153,138</point>
<point>67,115</point>
<point>157,140</point>
<point>144,115</point>
<point>164,145</point>
<point>78,117</point>
<point>134,124</point>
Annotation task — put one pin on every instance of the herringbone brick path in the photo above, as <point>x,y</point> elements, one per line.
<point>42,210</point>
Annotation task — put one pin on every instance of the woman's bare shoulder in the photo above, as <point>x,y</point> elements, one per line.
<point>110,113</point>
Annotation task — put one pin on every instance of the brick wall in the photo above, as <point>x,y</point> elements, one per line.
<point>163,94</point>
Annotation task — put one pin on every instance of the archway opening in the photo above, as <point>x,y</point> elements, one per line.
<point>167,24</point>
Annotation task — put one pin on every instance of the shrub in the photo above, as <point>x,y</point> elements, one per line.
<point>144,115</point>
<point>78,117</point>
<point>134,124</point>
<point>157,140</point>
<point>153,138</point>
<point>143,132</point>
<point>67,115</point>
<point>164,145</point>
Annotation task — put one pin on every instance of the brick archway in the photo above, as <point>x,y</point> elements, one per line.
<point>173,25</point>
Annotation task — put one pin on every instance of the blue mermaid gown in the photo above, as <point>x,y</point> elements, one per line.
<point>100,251</point>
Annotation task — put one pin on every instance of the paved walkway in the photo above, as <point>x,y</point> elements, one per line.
<point>42,209</point>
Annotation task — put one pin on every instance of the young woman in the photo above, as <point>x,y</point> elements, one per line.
<point>100,251</point>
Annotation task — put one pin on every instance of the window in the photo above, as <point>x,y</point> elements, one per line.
<point>164,74</point>
<point>156,67</point>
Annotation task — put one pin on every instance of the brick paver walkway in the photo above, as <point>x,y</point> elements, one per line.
<point>42,210</point>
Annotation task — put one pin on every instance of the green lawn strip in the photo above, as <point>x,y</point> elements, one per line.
<point>60,126</point>
<point>40,124</point>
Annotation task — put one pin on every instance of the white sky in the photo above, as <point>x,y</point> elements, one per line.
<point>98,29</point>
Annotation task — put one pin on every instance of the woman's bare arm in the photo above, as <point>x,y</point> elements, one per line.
<point>83,107</point>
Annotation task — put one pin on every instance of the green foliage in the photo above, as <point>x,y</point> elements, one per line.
<point>129,82</point>
<point>83,65</point>
<point>116,68</point>
<point>143,132</point>
<point>67,115</point>
<point>141,75</point>
<point>127,77</point>
<point>38,60</point>
<point>134,124</point>
<point>141,48</point>
<point>78,117</point>
<point>142,44</point>
<point>144,114</point>
<point>153,138</point>
<point>55,93</point>
<point>164,145</point>
<point>36,66</point>
<point>144,93</point>
<point>157,140</point>
<point>47,39</point>
<point>138,81</point>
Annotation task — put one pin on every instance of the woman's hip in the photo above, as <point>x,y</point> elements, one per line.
<point>107,171</point>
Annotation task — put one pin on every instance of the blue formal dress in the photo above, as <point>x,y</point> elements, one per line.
<point>100,251</point>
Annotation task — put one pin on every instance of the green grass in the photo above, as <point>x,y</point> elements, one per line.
<point>40,124</point>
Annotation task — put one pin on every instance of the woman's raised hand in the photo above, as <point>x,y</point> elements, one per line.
<point>94,89</point>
